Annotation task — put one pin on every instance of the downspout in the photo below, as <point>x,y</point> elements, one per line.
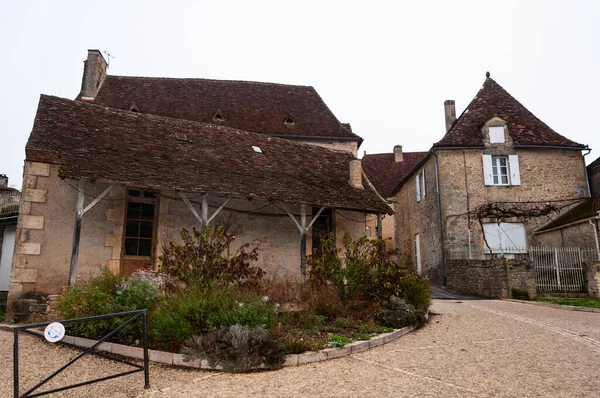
<point>439,206</point>
<point>587,180</point>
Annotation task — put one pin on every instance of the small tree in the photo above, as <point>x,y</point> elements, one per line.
<point>203,258</point>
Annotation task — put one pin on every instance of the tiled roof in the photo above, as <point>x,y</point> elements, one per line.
<point>104,144</point>
<point>587,209</point>
<point>594,165</point>
<point>385,174</point>
<point>250,106</point>
<point>492,100</point>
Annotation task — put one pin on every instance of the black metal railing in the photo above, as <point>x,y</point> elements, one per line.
<point>134,315</point>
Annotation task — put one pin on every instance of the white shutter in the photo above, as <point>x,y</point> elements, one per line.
<point>513,237</point>
<point>513,164</point>
<point>423,182</point>
<point>492,237</point>
<point>418,253</point>
<point>487,170</point>
<point>418,187</point>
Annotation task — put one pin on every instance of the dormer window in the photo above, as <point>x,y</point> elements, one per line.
<point>497,135</point>
<point>289,121</point>
<point>133,108</point>
<point>218,116</point>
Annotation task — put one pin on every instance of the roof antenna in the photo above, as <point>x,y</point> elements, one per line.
<point>108,56</point>
<point>487,74</point>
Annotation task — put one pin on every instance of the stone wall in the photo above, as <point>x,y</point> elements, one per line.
<point>577,235</point>
<point>593,278</point>
<point>491,278</point>
<point>419,217</point>
<point>594,176</point>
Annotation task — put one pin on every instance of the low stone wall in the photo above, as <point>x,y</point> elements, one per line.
<point>491,278</point>
<point>592,270</point>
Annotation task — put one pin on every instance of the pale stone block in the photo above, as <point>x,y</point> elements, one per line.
<point>19,261</point>
<point>161,356</point>
<point>112,240</point>
<point>105,346</point>
<point>291,360</point>
<point>81,342</point>
<point>68,339</point>
<point>114,215</point>
<point>116,253</point>
<point>310,357</point>
<point>30,248</point>
<point>178,361</point>
<point>29,182</point>
<point>24,275</point>
<point>38,169</point>
<point>127,351</point>
<point>24,207</point>
<point>35,195</point>
<point>114,266</point>
<point>358,346</point>
<point>376,341</point>
<point>32,222</point>
<point>333,353</point>
<point>15,288</point>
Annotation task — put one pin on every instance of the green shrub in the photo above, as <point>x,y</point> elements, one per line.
<point>204,258</point>
<point>397,314</point>
<point>293,346</point>
<point>108,294</point>
<point>201,309</point>
<point>520,294</point>
<point>336,341</point>
<point>237,348</point>
<point>415,290</point>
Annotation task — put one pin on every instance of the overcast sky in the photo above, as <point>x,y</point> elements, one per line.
<point>384,67</point>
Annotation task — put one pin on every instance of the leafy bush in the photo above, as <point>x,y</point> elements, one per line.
<point>324,300</point>
<point>370,273</point>
<point>204,258</point>
<point>336,341</point>
<point>237,348</point>
<point>293,346</point>
<point>108,294</point>
<point>397,314</point>
<point>200,309</point>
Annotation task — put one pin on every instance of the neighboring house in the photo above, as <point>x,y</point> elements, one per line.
<point>496,166</point>
<point>112,177</point>
<point>578,226</point>
<point>386,171</point>
<point>9,214</point>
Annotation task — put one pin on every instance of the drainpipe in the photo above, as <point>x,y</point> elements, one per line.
<point>439,206</point>
<point>587,180</point>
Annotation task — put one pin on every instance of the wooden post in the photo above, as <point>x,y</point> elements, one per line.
<point>76,234</point>
<point>205,210</point>
<point>303,241</point>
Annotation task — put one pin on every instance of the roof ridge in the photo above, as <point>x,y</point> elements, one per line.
<point>210,80</point>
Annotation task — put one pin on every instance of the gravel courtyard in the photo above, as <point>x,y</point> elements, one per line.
<point>471,348</point>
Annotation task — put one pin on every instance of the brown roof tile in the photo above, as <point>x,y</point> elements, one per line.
<point>492,100</point>
<point>385,174</point>
<point>250,106</point>
<point>99,143</point>
<point>586,209</point>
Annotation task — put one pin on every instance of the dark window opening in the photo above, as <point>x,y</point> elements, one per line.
<point>289,120</point>
<point>139,229</point>
<point>218,116</point>
<point>134,108</point>
<point>322,227</point>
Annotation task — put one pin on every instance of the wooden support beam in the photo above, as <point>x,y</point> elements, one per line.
<point>76,234</point>
<point>289,213</point>
<point>205,210</point>
<point>303,230</point>
<point>315,218</point>
<point>379,226</point>
<point>191,207</point>
<point>99,198</point>
<point>217,211</point>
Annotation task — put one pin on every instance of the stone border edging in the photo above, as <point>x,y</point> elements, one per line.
<point>558,306</point>
<point>170,358</point>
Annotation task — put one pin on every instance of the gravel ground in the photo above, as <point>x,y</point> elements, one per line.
<point>474,348</point>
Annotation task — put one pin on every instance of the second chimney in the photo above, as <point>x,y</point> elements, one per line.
<point>450,113</point>
<point>94,72</point>
<point>3,181</point>
<point>355,180</point>
<point>398,154</point>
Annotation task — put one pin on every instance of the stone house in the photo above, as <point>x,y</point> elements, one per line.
<point>113,176</point>
<point>471,196</point>
<point>9,214</point>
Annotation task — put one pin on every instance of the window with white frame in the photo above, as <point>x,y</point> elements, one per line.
<point>505,238</point>
<point>420,185</point>
<point>497,135</point>
<point>501,170</point>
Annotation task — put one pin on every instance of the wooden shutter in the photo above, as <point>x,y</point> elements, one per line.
<point>488,179</point>
<point>418,187</point>
<point>423,182</point>
<point>513,164</point>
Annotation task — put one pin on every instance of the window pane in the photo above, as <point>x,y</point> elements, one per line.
<point>149,194</point>
<point>145,230</point>
<point>145,247</point>
<point>134,192</point>
<point>147,211</point>
<point>133,210</point>
<point>131,246</point>
<point>132,229</point>
<point>504,180</point>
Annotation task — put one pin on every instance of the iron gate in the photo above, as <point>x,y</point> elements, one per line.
<point>560,269</point>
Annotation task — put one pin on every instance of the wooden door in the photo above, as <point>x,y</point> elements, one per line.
<point>139,231</point>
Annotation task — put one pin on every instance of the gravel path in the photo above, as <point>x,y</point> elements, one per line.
<point>474,348</point>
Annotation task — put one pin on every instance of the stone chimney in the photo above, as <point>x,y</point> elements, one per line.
<point>356,174</point>
<point>450,112</point>
<point>3,181</point>
<point>94,72</point>
<point>398,154</point>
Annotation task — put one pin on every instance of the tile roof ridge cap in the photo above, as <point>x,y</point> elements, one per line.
<point>209,80</point>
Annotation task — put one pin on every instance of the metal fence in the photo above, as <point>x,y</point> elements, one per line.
<point>560,269</point>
